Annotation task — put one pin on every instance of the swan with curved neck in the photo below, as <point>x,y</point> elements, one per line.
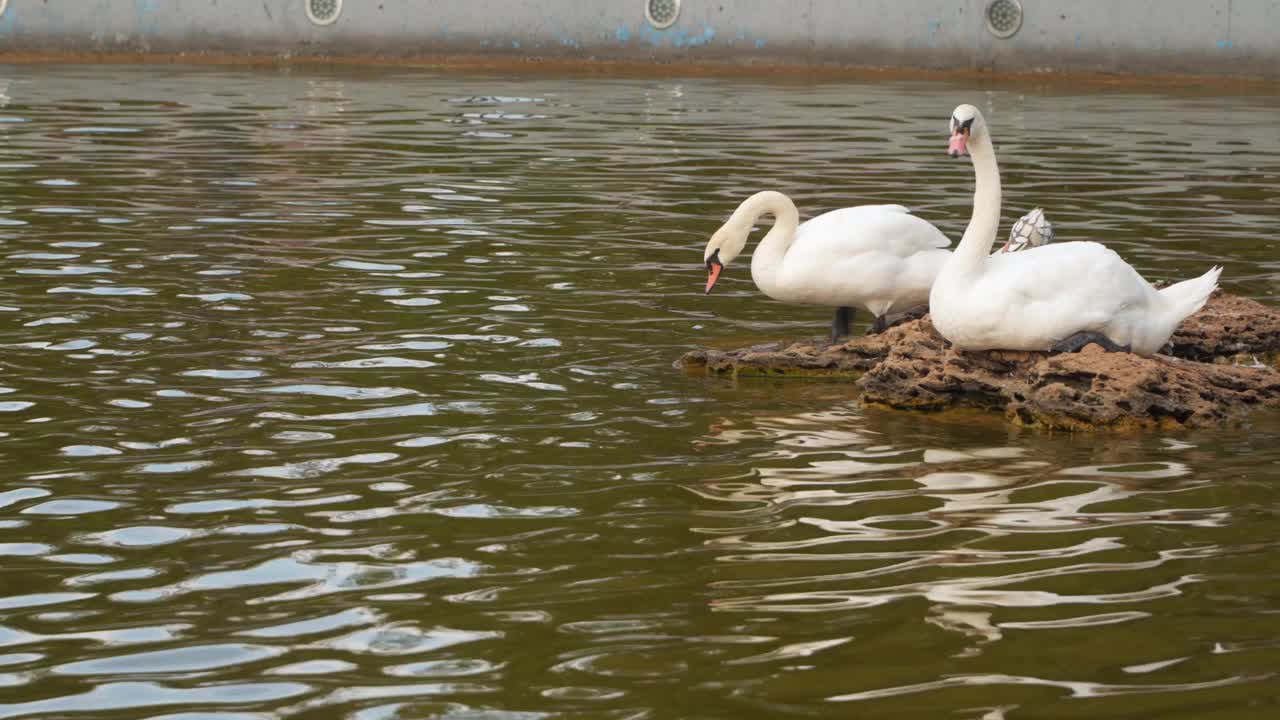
<point>1058,298</point>
<point>877,257</point>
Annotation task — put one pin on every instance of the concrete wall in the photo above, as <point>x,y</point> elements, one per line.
<point>1215,37</point>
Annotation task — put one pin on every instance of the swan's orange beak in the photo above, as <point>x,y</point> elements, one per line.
<point>959,140</point>
<point>713,274</point>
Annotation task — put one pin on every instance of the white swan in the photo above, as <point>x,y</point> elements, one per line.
<point>1058,298</point>
<point>877,257</point>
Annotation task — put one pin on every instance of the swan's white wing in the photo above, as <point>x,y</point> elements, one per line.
<point>874,256</point>
<point>1029,300</point>
<point>1064,278</point>
<point>884,228</point>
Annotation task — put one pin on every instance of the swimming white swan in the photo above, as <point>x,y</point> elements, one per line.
<point>877,257</point>
<point>1058,298</point>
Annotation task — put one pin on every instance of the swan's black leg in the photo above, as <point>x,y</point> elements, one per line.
<point>1074,343</point>
<point>916,312</point>
<point>883,322</point>
<point>842,325</point>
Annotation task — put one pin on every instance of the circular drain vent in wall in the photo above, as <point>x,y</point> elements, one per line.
<point>323,12</point>
<point>661,13</point>
<point>1004,17</point>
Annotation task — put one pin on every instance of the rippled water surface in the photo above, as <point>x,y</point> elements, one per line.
<point>348,394</point>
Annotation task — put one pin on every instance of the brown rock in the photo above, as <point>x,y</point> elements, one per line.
<point>802,358</point>
<point>1072,391</point>
<point>911,367</point>
<point>1228,326</point>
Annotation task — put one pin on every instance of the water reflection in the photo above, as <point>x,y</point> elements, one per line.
<point>847,522</point>
<point>349,394</point>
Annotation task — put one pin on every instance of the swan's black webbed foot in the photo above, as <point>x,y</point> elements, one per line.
<point>1075,343</point>
<point>842,324</point>
<point>883,322</point>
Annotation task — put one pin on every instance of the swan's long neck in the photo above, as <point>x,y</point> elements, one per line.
<point>767,259</point>
<point>975,246</point>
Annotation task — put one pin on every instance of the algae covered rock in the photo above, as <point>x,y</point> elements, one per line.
<point>1228,326</point>
<point>912,367</point>
<point>798,359</point>
<point>1073,391</point>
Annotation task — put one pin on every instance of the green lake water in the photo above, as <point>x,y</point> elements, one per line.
<point>349,394</point>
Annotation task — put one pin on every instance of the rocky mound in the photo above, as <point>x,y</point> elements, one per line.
<point>912,367</point>
<point>1227,327</point>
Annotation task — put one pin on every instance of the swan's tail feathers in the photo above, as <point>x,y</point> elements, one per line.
<point>1189,296</point>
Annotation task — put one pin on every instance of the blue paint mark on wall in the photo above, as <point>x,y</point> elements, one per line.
<point>1079,38</point>
<point>669,36</point>
<point>934,27</point>
<point>677,37</point>
<point>760,44</point>
<point>1225,44</point>
<point>144,10</point>
<point>623,34</point>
